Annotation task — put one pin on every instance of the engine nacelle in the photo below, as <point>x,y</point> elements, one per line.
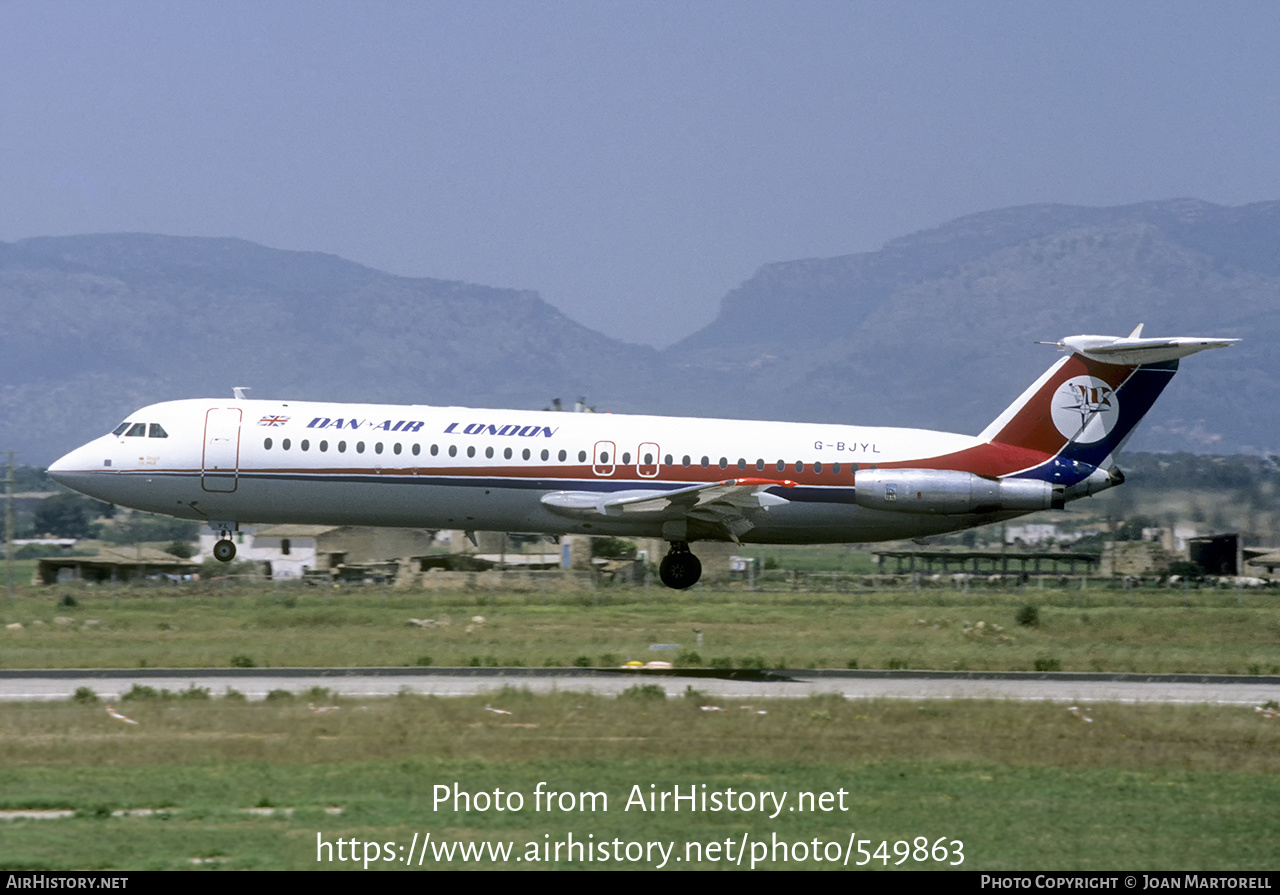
<point>951,493</point>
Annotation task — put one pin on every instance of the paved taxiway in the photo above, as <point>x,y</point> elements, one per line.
<point>374,682</point>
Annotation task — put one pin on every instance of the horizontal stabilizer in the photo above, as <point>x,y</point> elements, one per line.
<point>1134,351</point>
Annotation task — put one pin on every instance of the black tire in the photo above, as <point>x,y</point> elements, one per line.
<point>680,570</point>
<point>224,551</point>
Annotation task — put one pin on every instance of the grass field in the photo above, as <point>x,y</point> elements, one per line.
<point>1007,629</point>
<point>223,783</point>
<point>203,782</point>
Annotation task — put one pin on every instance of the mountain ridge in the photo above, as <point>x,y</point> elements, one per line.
<point>935,330</point>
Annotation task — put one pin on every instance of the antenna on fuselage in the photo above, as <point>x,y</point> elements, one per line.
<point>239,390</point>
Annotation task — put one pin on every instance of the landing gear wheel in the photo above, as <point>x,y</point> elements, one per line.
<point>679,570</point>
<point>224,551</point>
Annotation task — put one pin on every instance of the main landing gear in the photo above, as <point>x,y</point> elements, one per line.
<point>225,549</point>
<point>680,568</point>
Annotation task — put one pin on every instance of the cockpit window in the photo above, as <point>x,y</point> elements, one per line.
<point>138,430</point>
<point>119,430</point>
<point>157,431</point>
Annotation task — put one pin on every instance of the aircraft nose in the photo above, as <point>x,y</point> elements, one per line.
<point>71,468</point>
<point>60,467</point>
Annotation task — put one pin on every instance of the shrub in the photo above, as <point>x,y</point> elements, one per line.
<point>1048,664</point>
<point>85,696</point>
<point>141,691</point>
<point>243,661</point>
<point>180,549</point>
<point>1028,616</point>
<point>644,691</point>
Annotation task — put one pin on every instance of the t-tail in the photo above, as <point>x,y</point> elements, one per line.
<point>1084,409</point>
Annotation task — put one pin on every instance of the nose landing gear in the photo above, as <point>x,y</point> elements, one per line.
<point>225,549</point>
<point>680,568</point>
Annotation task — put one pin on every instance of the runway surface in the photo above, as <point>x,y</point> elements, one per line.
<point>255,683</point>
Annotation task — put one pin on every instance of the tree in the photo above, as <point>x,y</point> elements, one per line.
<point>67,515</point>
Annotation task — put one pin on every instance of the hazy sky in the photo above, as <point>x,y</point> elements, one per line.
<point>632,161</point>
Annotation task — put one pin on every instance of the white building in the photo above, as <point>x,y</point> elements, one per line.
<point>290,551</point>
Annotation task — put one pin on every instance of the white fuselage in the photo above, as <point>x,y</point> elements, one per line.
<point>243,461</point>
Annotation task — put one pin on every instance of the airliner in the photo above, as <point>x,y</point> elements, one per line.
<point>234,461</point>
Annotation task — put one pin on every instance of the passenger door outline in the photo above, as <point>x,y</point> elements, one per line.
<point>220,459</point>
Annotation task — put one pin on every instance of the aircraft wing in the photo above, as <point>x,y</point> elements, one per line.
<point>730,504</point>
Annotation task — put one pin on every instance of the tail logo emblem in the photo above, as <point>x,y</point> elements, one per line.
<point>1085,409</point>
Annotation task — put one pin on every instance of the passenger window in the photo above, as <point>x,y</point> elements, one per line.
<point>742,463</point>
<point>453,450</point>
<point>817,467</point>
<point>285,444</point>
<point>760,465</point>
<point>626,457</point>
<point>395,449</point>
<point>582,456</point>
<point>488,452</point>
<point>434,450</point>
<point>471,450</point>
<point>417,449</point>
<point>546,454</point>
<point>324,446</point>
<point>526,454</point>
<point>377,448</point>
<point>706,461</point>
<point>835,468</point>
<point>359,447</point>
<point>157,431</point>
<point>306,445</point>
<point>782,466</point>
<point>563,456</point>
<point>648,459</point>
<point>266,444</point>
<point>506,453</point>
<point>342,447</point>
<point>685,460</point>
<point>669,459</point>
<point>799,466</point>
<point>724,462</point>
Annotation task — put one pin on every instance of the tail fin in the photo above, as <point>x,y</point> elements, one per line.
<point>1087,405</point>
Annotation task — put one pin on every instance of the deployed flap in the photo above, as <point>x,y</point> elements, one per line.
<point>728,503</point>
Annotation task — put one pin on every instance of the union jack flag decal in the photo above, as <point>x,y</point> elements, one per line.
<point>273,421</point>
